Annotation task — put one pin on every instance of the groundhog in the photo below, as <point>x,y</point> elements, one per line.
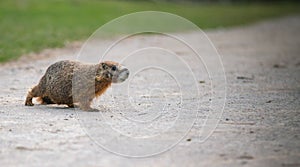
<point>69,82</point>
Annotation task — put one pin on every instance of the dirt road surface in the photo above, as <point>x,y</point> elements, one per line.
<point>260,125</point>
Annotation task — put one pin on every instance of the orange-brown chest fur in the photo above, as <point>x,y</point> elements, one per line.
<point>101,87</point>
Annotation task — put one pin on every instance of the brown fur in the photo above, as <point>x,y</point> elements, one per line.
<point>68,82</point>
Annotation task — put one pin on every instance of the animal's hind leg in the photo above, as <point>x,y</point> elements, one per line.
<point>71,105</point>
<point>45,100</point>
<point>34,92</point>
<point>85,104</point>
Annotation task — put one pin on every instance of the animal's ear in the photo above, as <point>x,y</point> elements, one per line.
<point>104,66</point>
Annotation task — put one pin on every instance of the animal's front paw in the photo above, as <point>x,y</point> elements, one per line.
<point>29,103</point>
<point>89,109</point>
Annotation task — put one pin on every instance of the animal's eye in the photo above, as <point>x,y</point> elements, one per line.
<point>114,68</point>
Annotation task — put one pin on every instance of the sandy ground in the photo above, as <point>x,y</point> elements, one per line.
<point>260,124</point>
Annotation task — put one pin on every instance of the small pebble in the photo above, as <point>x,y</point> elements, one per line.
<point>246,78</point>
<point>279,66</point>
<point>246,157</point>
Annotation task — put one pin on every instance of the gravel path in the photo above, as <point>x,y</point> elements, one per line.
<point>260,125</point>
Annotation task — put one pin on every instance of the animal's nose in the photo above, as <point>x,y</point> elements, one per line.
<point>127,71</point>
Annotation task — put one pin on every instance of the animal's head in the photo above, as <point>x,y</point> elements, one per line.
<point>112,71</point>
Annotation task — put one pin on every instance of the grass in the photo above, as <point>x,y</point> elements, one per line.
<point>32,25</point>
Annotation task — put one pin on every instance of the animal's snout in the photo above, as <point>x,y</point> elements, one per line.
<point>126,71</point>
<point>122,75</point>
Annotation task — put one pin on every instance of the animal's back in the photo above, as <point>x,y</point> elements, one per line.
<point>58,81</point>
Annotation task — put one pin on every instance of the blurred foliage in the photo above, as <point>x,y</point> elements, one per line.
<point>32,25</point>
